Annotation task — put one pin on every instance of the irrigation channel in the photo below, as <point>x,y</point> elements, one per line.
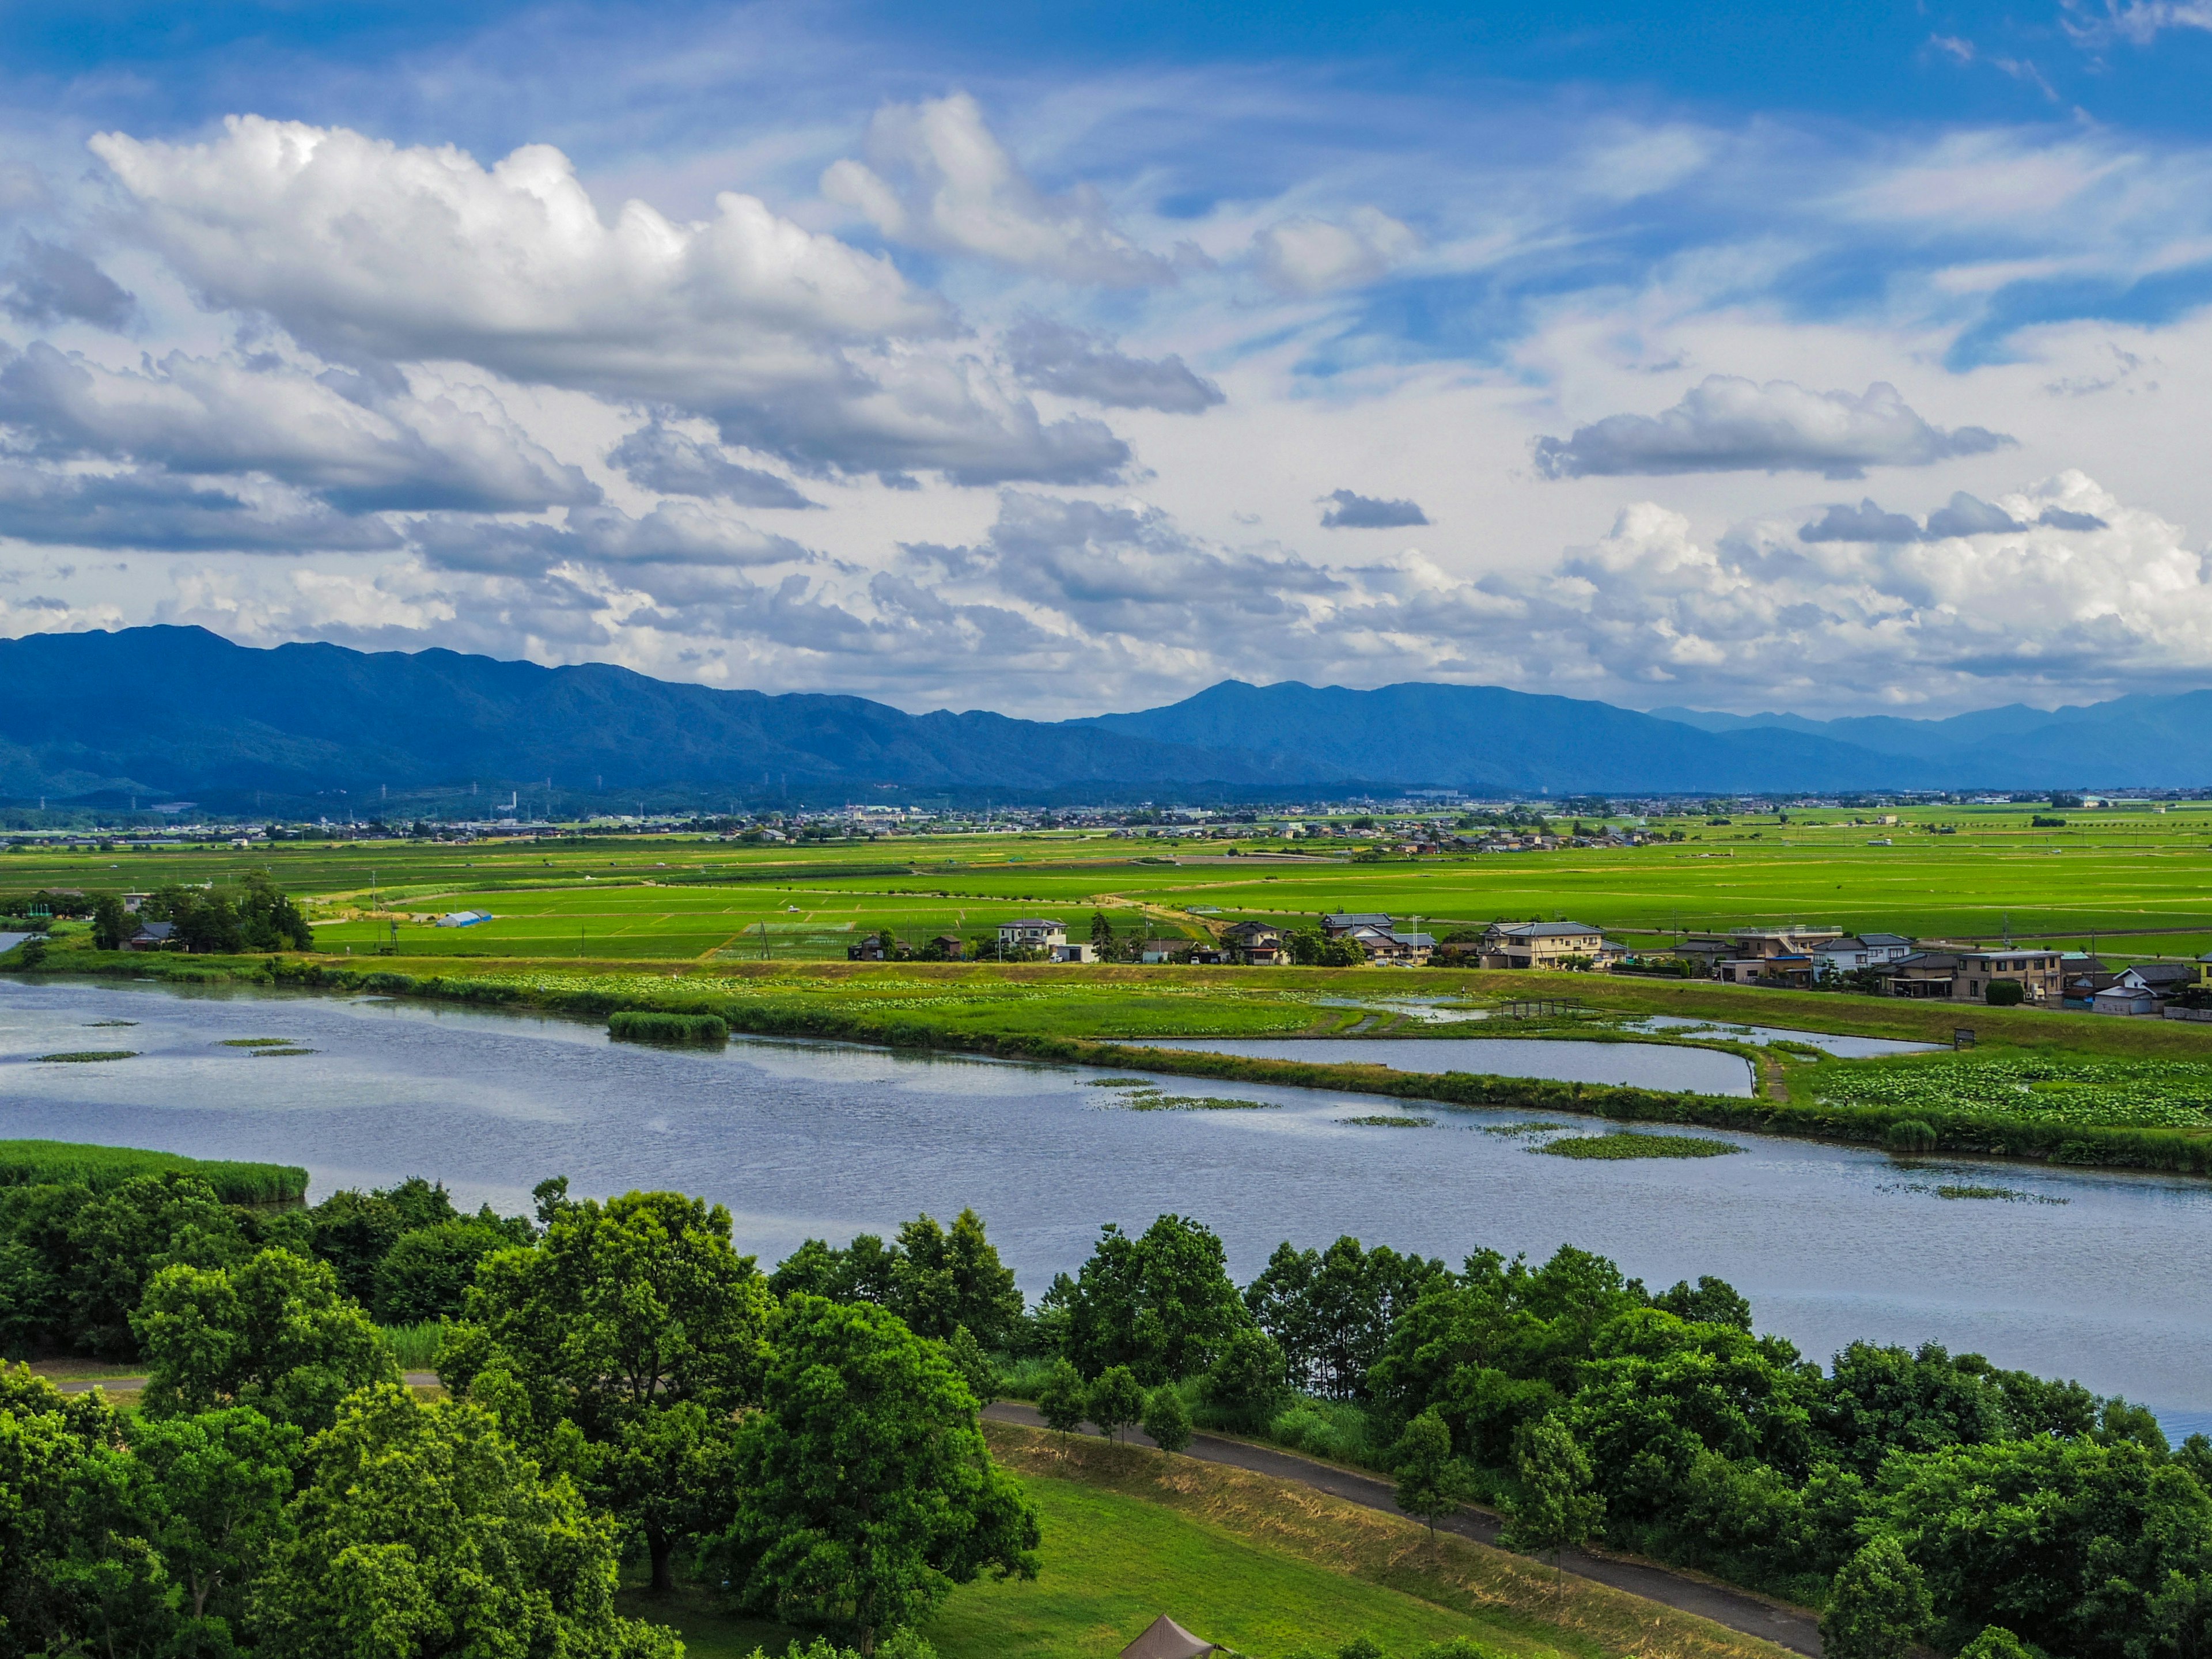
<point>800,1139</point>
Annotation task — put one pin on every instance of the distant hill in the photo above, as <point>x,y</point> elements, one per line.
<point>2134,739</point>
<point>163,713</point>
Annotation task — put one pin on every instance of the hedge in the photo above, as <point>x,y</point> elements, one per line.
<point>636,1026</point>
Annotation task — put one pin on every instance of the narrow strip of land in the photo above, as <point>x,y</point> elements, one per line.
<point>1790,1627</point>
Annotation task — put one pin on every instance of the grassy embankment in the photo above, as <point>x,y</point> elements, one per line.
<point>1266,1567</point>
<point>35,1162</point>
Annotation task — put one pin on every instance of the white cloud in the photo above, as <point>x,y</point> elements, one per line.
<point>1726,424</point>
<point>1307,255</point>
<point>365,250</point>
<point>355,443</point>
<point>953,188</point>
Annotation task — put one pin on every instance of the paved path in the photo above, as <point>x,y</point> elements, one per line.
<point>1733,1609</point>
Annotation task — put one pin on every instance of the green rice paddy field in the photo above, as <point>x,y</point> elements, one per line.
<point>2135,885</point>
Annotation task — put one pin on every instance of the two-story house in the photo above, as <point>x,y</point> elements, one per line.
<point>1546,945</point>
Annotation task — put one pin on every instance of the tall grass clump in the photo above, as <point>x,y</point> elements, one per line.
<point>413,1348</point>
<point>1909,1134</point>
<point>634,1026</point>
<point>59,1163</point>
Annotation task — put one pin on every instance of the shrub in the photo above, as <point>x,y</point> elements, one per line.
<point>1245,1385</point>
<point>1167,1420</point>
<point>1909,1134</point>
<point>1878,1608</point>
<point>2005,994</point>
<point>635,1026</point>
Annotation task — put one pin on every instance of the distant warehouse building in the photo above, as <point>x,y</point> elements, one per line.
<point>463,918</point>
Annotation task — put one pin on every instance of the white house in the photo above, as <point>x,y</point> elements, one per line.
<point>1850,954</point>
<point>1040,932</point>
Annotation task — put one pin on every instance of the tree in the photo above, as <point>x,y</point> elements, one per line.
<point>273,1333</point>
<point>1995,1642</point>
<point>1245,1383</point>
<point>111,923</point>
<point>208,1494</point>
<point>1555,1509</point>
<point>426,1274</point>
<point>942,1280</point>
<point>1878,1605</point>
<point>423,1531</point>
<point>1161,1304</point>
<point>1167,1420</point>
<point>354,1230</point>
<point>1064,1399</point>
<point>622,1313</point>
<point>1102,935</point>
<point>117,1240</point>
<point>1431,1481</point>
<point>1116,1400</point>
<point>1713,1301</point>
<point>974,1365</point>
<point>865,1491</point>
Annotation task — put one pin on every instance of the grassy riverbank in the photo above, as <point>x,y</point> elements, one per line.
<point>1266,1568</point>
<point>2110,1091</point>
<point>41,1162</point>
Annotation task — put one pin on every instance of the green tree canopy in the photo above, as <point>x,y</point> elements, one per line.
<point>1116,1400</point>
<point>1161,1304</point>
<point>863,1489</point>
<point>623,1315</point>
<point>422,1532</point>
<point>272,1333</point>
<point>1555,1507</point>
<point>1431,1481</point>
<point>942,1280</point>
<point>1167,1420</point>
<point>1878,1608</point>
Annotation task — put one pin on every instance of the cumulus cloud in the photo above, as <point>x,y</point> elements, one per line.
<point>676,533</point>
<point>359,445</point>
<point>659,458</point>
<point>1347,511</point>
<point>1078,363</point>
<point>1306,255</point>
<point>44,283</point>
<point>1726,424</point>
<point>1965,515</point>
<point>367,251</point>
<point>952,186</point>
<point>158,513</point>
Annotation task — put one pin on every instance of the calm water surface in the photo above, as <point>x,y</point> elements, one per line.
<point>812,1138</point>
<point>1644,1065</point>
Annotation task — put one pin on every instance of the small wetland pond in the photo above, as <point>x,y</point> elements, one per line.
<point>2094,1275</point>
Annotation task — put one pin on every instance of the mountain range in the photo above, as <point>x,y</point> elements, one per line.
<point>148,713</point>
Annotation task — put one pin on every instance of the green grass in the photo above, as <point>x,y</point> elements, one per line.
<point>1264,1568</point>
<point>1627,1145</point>
<point>28,1163</point>
<point>1386,1120</point>
<point>414,1347</point>
<point>257,1042</point>
<point>87,1056</point>
<point>633,1026</point>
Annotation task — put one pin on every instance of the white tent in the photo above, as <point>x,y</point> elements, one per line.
<point>1163,1639</point>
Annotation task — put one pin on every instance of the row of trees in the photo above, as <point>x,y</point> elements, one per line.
<point>75,1264</point>
<point>256,915</point>
<point>1919,1495</point>
<point>621,1377</point>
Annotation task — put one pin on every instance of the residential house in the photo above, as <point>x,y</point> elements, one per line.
<point>152,936</point>
<point>1546,945</point>
<point>1855,953</point>
<point>2160,979</point>
<point>1967,976</point>
<point>2126,1000</point>
<point>1255,942</point>
<point>1387,947</point>
<point>1085,952</point>
<point>1338,923</point>
<point>1038,933</point>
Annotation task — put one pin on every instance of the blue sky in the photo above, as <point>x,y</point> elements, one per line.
<point>1061,359</point>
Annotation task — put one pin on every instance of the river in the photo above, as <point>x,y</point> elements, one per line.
<point>801,1138</point>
